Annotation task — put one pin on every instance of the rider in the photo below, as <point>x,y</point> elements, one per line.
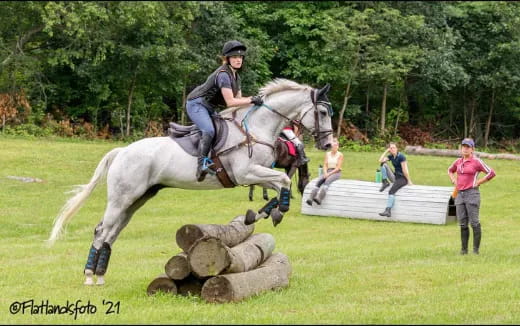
<point>222,88</point>
<point>290,132</point>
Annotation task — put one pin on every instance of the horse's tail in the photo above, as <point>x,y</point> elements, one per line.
<point>82,192</point>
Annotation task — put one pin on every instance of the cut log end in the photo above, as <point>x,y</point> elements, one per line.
<point>177,267</point>
<point>162,283</point>
<point>187,235</point>
<point>208,257</point>
<point>217,290</point>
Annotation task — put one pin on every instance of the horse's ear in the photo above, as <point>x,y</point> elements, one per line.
<point>324,90</point>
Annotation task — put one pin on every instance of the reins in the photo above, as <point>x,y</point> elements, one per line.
<point>243,126</point>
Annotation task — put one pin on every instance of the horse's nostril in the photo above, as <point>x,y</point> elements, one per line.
<point>327,146</point>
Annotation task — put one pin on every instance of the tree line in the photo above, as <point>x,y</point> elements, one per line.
<point>442,69</point>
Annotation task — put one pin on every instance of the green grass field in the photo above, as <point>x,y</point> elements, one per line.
<point>345,271</point>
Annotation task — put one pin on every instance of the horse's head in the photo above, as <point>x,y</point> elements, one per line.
<point>291,101</point>
<point>318,119</point>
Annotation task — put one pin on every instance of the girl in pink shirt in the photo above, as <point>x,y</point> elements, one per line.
<point>464,174</point>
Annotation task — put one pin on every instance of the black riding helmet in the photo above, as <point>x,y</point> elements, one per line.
<point>233,48</point>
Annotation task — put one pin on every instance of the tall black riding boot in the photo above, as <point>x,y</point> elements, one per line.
<point>302,158</point>
<point>464,238</point>
<point>204,147</point>
<point>477,235</point>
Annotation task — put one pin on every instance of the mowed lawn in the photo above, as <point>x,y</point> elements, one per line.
<point>345,271</point>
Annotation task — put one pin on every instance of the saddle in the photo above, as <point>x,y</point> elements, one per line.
<point>188,137</point>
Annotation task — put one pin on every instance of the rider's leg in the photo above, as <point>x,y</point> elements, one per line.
<point>290,135</point>
<point>201,117</point>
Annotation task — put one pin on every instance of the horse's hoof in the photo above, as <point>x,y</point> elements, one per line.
<point>276,216</point>
<point>100,280</point>
<point>250,217</point>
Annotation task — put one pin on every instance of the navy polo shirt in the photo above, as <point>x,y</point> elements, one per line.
<point>396,162</point>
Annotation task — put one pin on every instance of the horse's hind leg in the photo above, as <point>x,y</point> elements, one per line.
<point>100,250</point>
<point>106,232</point>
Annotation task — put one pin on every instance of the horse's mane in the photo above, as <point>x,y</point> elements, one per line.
<point>274,86</point>
<point>280,84</point>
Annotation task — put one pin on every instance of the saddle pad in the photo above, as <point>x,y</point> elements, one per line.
<point>190,142</point>
<point>290,147</point>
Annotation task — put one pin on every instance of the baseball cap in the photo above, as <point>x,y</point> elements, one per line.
<point>468,141</point>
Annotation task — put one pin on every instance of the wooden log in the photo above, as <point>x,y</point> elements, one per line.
<point>162,283</point>
<point>251,253</point>
<point>272,274</point>
<point>210,257</point>
<point>419,150</point>
<point>177,267</point>
<point>190,285</point>
<point>231,234</point>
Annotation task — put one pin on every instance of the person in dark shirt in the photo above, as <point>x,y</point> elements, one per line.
<point>221,89</point>
<point>402,176</point>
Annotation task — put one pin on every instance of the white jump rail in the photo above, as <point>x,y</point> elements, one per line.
<point>362,200</point>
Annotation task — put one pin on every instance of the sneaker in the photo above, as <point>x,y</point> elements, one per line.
<point>464,251</point>
<point>317,201</point>
<point>309,202</point>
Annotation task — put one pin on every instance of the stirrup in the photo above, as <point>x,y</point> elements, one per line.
<point>206,164</point>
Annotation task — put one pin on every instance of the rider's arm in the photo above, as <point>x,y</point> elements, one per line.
<point>224,83</point>
<point>227,93</point>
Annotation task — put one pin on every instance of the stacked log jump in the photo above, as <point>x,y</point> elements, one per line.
<point>223,263</point>
<point>362,200</point>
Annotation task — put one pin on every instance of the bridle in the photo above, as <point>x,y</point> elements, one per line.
<point>318,134</point>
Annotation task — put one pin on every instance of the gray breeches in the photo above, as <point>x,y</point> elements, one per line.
<point>467,204</point>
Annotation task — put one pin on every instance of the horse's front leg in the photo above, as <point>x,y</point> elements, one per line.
<point>271,179</point>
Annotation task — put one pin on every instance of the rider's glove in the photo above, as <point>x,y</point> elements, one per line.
<point>257,100</point>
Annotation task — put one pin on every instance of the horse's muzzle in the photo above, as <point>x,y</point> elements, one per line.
<point>324,147</point>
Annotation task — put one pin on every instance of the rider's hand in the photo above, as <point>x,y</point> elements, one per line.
<point>257,100</point>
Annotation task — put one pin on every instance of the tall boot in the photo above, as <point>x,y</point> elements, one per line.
<point>321,194</point>
<point>464,237</point>
<point>203,161</point>
<point>313,194</point>
<point>477,235</point>
<point>302,158</point>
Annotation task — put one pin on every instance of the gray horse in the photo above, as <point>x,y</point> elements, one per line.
<point>135,173</point>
